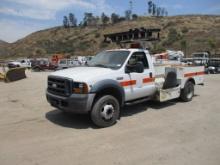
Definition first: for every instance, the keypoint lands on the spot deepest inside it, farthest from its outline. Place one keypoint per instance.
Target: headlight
(80, 88)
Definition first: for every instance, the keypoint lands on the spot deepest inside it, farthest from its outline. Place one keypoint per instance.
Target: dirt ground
(174, 133)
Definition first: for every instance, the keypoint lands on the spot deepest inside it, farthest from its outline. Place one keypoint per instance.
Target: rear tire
(105, 111)
(188, 92)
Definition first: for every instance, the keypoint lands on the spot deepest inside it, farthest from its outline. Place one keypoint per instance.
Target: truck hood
(83, 74)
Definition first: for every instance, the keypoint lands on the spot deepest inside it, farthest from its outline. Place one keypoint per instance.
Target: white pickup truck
(115, 78)
(26, 63)
(67, 63)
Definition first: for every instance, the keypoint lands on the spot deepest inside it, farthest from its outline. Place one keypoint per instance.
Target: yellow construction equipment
(13, 75)
(2, 76)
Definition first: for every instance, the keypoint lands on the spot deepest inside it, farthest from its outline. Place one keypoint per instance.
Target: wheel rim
(107, 111)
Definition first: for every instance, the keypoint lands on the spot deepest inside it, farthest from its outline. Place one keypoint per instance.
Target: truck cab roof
(130, 50)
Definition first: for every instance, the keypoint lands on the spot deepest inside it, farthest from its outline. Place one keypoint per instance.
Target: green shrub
(97, 35)
(157, 48)
(103, 45)
(173, 36)
(185, 30)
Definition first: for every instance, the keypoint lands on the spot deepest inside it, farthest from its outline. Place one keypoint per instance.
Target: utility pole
(131, 6)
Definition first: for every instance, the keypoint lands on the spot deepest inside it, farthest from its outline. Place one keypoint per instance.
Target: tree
(212, 44)
(105, 19)
(81, 24)
(157, 48)
(114, 18)
(65, 22)
(158, 12)
(128, 15)
(134, 16)
(121, 19)
(173, 36)
(72, 20)
(87, 19)
(183, 45)
(162, 12)
(185, 30)
(166, 13)
(154, 9)
(150, 9)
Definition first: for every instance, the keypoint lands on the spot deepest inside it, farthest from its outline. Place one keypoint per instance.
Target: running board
(137, 101)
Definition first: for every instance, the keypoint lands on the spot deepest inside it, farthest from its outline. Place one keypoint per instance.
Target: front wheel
(105, 111)
(37, 69)
(188, 92)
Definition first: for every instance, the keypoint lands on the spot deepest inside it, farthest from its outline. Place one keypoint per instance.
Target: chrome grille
(59, 86)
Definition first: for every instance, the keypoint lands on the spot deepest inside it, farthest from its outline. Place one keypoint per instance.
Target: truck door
(144, 82)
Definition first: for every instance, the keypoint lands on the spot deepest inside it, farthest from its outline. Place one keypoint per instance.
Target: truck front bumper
(76, 103)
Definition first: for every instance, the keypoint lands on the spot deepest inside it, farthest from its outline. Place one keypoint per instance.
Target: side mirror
(138, 68)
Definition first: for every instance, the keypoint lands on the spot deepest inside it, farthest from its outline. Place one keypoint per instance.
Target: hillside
(197, 31)
(3, 42)
(3, 48)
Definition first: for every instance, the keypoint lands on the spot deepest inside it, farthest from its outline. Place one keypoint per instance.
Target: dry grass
(196, 30)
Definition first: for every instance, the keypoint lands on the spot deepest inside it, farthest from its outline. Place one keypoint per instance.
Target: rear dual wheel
(105, 111)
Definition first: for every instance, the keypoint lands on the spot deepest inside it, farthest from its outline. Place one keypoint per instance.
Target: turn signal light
(80, 88)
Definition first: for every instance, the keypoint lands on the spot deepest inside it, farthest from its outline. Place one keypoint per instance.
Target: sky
(19, 18)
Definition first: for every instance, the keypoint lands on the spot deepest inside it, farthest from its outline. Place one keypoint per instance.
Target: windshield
(109, 59)
(199, 56)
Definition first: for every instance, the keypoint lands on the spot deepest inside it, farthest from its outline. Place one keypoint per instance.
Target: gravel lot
(173, 133)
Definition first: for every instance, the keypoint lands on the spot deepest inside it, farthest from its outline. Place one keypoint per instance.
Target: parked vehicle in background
(200, 58)
(213, 66)
(82, 60)
(210, 61)
(26, 63)
(56, 58)
(42, 64)
(188, 61)
(168, 57)
(14, 64)
(88, 58)
(67, 63)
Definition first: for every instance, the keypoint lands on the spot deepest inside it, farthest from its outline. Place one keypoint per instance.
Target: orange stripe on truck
(194, 74)
(148, 80)
(128, 83)
(133, 82)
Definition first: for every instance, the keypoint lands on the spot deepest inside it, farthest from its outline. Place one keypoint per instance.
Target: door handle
(151, 74)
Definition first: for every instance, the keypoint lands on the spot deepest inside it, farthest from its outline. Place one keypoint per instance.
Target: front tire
(105, 111)
(37, 69)
(188, 92)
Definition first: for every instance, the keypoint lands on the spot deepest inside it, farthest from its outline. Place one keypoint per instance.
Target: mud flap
(168, 94)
